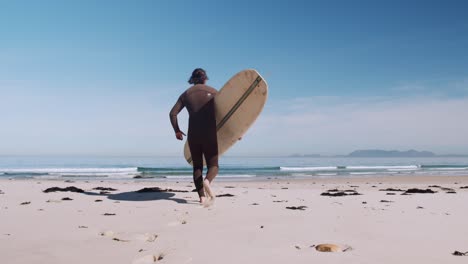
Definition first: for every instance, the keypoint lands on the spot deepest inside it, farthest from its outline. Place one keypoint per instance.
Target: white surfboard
(237, 105)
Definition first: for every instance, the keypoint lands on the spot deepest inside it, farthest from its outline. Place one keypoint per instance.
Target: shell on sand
(328, 248)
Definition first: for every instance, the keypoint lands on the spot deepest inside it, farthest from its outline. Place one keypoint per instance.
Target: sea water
(232, 168)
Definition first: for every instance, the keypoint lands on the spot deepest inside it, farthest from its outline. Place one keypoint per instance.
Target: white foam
(402, 169)
(396, 167)
(307, 168)
(447, 169)
(362, 173)
(326, 174)
(71, 170)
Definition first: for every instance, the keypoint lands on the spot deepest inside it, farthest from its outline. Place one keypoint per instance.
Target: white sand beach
(253, 225)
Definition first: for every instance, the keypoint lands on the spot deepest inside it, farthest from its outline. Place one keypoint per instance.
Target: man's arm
(179, 105)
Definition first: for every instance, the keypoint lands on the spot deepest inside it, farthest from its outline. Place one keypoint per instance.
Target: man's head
(198, 76)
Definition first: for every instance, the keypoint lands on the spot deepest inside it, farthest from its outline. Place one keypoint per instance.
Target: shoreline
(416, 178)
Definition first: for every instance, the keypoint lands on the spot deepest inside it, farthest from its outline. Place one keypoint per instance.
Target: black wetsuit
(201, 134)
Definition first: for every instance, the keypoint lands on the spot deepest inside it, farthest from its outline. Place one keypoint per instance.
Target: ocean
(231, 168)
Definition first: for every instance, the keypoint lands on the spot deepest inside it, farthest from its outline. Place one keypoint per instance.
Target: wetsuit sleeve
(179, 105)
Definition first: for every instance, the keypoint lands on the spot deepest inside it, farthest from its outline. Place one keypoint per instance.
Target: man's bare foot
(208, 190)
(203, 200)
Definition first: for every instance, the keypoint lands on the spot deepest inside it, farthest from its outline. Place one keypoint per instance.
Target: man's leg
(211, 156)
(197, 161)
(212, 173)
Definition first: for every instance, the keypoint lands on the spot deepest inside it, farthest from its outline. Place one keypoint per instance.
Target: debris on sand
(391, 190)
(442, 188)
(67, 199)
(160, 257)
(143, 177)
(386, 201)
(104, 189)
(108, 214)
(464, 187)
(458, 253)
(301, 207)
(416, 190)
(98, 200)
(229, 187)
(120, 240)
(336, 192)
(157, 189)
(331, 248)
(225, 195)
(1, 192)
(67, 189)
(280, 201)
(25, 203)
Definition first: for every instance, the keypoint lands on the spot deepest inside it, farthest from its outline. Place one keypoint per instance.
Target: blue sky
(99, 77)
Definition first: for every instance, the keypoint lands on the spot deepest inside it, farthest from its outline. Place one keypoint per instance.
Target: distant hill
(390, 153)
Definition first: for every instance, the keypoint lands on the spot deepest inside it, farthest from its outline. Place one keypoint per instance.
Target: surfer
(202, 139)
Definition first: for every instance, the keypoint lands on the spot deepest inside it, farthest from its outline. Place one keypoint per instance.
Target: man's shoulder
(202, 87)
(209, 88)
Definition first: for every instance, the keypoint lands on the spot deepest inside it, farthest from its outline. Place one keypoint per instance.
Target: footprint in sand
(151, 237)
(208, 203)
(176, 223)
(147, 237)
(148, 259)
(108, 233)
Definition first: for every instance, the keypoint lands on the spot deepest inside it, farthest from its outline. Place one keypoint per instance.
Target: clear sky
(99, 77)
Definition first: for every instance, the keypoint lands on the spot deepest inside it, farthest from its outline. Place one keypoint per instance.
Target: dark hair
(198, 76)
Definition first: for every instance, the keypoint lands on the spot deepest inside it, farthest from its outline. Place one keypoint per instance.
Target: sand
(252, 226)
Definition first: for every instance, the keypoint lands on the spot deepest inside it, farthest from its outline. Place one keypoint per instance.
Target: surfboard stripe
(236, 106)
(238, 103)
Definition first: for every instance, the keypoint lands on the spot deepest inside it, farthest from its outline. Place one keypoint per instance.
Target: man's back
(200, 104)
(197, 96)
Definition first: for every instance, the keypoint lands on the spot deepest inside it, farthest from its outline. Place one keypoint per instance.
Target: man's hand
(180, 135)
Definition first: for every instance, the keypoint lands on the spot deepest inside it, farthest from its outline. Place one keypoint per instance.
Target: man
(202, 139)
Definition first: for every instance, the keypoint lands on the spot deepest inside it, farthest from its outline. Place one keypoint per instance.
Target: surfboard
(237, 105)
